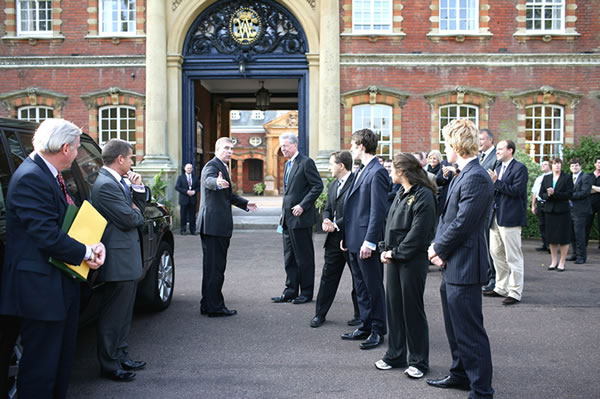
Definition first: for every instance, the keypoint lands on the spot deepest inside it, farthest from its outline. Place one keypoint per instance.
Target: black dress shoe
(572, 258)
(488, 288)
(183, 233)
(580, 261)
(449, 382)
(492, 294)
(356, 321)
(133, 365)
(541, 249)
(281, 299)
(203, 311)
(356, 335)
(373, 341)
(509, 300)
(223, 313)
(317, 321)
(119, 375)
(299, 300)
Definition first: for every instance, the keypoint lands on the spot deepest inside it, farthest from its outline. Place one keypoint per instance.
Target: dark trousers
(188, 215)
(579, 236)
(48, 351)
(539, 211)
(9, 331)
(368, 282)
(299, 259)
(335, 261)
(468, 340)
(114, 323)
(407, 322)
(214, 262)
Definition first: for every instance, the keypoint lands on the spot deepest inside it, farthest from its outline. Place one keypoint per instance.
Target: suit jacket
(490, 161)
(215, 217)
(181, 186)
(303, 188)
(35, 208)
(563, 191)
(121, 238)
(510, 197)
(334, 207)
(366, 206)
(582, 204)
(460, 238)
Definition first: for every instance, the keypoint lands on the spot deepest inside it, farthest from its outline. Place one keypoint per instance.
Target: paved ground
(545, 347)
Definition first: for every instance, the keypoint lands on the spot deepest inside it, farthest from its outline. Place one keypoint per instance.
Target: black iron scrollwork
(276, 30)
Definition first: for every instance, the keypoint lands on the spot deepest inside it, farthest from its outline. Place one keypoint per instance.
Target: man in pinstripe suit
(460, 248)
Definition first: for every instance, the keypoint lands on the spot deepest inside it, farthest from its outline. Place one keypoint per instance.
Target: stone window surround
(570, 33)
(374, 95)
(547, 95)
(482, 33)
(33, 96)
(10, 24)
(115, 96)
(459, 95)
(397, 19)
(93, 20)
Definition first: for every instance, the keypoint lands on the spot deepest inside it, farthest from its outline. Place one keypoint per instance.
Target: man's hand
(252, 207)
(493, 175)
(365, 252)
(448, 169)
(328, 226)
(297, 210)
(386, 257)
(533, 210)
(434, 257)
(98, 256)
(342, 246)
(191, 193)
(222, 182)
(135, 178)
(550, 191)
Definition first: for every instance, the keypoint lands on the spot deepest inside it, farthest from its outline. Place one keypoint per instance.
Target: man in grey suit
(215, 224)
(488, 159)
(122, 206)
(460, 248)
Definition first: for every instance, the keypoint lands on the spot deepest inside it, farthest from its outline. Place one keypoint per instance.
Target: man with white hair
(43, 298)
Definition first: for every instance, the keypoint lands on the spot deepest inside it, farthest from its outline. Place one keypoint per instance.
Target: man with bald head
(187, 186)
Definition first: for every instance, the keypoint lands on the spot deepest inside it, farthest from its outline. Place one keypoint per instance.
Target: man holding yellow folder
(43, 298)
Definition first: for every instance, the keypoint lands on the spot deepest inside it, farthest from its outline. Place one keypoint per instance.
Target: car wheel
(157, 286)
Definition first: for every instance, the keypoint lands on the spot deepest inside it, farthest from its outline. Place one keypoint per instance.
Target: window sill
(459, 36)
(115, 39)
(373, 36)
(545, 36)
(33, 39)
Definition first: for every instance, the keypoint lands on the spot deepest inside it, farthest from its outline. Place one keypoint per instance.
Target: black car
(155, 289)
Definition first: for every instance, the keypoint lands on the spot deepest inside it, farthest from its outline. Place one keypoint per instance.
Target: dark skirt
(558, 228)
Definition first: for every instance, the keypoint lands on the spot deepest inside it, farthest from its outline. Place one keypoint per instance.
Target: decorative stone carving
(279, 33)
(312, 3)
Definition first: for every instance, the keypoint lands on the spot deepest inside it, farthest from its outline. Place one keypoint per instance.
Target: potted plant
(259, 188)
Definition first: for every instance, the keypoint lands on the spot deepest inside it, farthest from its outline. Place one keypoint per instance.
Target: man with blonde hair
(460, 249)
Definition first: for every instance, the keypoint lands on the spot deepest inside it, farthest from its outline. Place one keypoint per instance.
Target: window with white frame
(116, 122)
(235, 115)
(448, 113)
(378, 118)
(34, 17)
(35, 114)
(258, 115)
(545, 15)
(459, 15)
(544, 131)
(117, 16)
(372, 16)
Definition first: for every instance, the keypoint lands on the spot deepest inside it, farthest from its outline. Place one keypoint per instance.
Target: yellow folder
(87, 228)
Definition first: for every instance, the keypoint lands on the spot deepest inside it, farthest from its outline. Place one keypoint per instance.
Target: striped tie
(63, 187)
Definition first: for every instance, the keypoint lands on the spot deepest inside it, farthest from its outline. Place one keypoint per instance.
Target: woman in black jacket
(556, 190)
(409, 230)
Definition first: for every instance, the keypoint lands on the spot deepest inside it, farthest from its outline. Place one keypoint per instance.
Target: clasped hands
(434, 257)
(328, 226)
(98, 256)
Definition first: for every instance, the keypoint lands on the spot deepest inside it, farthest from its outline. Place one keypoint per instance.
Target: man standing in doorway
(215, 224)
(302, 185)
(365, 211)
(187, 186)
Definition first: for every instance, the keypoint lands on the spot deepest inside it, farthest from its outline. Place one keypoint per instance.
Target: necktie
(189, 178)
(502, 172)
(339, 187)
(286, 175)
(125, 187)
(574, 179)
(63, 187)
(482, 157)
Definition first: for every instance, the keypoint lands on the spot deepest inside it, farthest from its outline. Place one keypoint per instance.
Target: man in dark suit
(215, 224)
(340, 164)
(187, 186)
(508, 217)
(581, 211)
(487, 159)
(122, 206)
(302, 185)
(460, 248)
(594, 199)
(43, 298)
(365, 211)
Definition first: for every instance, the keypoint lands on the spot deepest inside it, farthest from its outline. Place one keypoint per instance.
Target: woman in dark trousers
(557, 190)
(410, 227)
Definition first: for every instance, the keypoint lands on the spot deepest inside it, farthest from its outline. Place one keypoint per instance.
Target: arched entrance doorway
(230, 47)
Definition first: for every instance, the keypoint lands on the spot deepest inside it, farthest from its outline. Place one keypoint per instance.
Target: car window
(17, 153)
(89, 161)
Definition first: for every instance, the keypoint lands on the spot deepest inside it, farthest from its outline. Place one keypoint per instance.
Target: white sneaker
(381, 365)
(413, 372)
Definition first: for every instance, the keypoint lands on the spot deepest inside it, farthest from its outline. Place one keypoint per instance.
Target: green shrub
(159, 190)
(259, 188)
